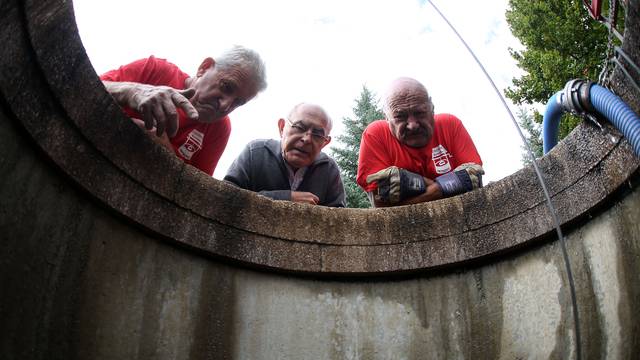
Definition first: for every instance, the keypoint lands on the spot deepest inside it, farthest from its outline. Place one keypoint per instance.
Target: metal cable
(565, 255)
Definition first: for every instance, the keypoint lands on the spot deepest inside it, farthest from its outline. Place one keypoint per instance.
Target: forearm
(277, 194)
(122, 92)
(156, 104)
(433, 192)
(401, 187)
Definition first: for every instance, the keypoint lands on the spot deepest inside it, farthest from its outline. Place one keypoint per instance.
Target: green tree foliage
(562, 42)
(532, 132)
(365, 111)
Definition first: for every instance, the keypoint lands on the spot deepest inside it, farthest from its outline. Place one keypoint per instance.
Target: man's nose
(412, 123)
(306, 136)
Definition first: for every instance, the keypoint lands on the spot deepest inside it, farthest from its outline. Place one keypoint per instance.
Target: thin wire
(565, 255)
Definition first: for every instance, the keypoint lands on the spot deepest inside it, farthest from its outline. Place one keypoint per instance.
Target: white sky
(323, 52)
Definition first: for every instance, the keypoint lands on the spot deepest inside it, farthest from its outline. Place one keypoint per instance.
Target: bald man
(293, 168)
(414, 155)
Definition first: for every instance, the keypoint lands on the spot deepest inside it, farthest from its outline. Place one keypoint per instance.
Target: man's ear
(326, 142)
(207, 63)
(281, 126)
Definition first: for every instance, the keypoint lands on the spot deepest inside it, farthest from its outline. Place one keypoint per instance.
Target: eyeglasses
(299, 128)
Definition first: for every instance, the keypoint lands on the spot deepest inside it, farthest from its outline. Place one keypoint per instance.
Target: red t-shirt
(450, 146)
(196, 143)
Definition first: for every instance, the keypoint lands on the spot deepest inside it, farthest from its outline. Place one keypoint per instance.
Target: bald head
(304, 134)
(408, 109)
(312, 109)
(407, 89)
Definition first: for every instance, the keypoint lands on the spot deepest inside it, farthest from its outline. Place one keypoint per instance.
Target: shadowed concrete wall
(106, 254)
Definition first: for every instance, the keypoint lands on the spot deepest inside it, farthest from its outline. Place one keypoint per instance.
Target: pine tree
(365, 111)
(533, 134)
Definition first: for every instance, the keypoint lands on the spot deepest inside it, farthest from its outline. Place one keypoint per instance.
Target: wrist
(125, 93)
(454, 183)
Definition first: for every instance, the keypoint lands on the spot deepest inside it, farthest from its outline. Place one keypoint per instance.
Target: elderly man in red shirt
(188, 114)
(415, 155)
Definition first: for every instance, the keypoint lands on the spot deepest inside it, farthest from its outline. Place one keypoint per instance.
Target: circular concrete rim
(89, 138)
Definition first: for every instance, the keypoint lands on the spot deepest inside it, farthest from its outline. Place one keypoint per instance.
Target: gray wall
(82, 282)
(156, 301)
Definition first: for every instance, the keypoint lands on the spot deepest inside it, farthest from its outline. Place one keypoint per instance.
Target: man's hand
(304, 197)
(475, 172)
(156, 104)
(396, 184)
(161, 139)
(465, 177)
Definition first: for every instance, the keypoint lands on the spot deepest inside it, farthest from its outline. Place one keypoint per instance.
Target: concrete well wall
(111, 248)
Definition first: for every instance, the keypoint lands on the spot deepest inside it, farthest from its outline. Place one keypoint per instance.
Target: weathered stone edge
(332, 240)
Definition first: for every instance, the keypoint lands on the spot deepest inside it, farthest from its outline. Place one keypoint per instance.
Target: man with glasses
(415, 155)
(292, 168)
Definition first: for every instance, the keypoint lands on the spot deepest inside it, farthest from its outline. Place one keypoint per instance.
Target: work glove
(465, 177)
(396, 184)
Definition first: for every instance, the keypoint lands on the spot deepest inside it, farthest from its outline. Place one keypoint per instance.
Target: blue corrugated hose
(618, 113)
(551, 121)
(606, 103)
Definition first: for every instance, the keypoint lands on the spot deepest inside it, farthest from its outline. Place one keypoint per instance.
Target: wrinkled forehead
(406, 96)
(242, 76)
(312, 115)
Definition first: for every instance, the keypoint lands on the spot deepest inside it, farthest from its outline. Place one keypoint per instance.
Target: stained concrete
(86, 284)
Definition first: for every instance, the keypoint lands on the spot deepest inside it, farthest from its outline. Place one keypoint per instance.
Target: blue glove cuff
(411, 184)
(454, 183)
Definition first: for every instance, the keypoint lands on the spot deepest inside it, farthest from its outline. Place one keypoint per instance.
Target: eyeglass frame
(298, 125)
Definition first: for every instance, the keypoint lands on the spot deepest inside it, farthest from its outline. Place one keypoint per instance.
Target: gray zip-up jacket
(261, 168)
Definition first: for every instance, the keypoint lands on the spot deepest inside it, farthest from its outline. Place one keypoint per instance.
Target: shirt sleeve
(336, 196)
(239, 171)
(129, 72)
(372, 158)
(276, 194)
(464, 150)
(214, 144)
(240, 174)
(151, 70)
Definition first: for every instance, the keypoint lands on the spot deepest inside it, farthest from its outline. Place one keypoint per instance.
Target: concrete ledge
(51, 89)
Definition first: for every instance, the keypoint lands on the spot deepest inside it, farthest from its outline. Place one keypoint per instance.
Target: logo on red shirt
(192, 145)
(440, 157)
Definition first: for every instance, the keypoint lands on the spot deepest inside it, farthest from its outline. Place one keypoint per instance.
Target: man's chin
(208, 115)
(297, 160)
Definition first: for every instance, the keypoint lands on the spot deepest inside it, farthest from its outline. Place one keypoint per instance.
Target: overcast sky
(324, 52)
